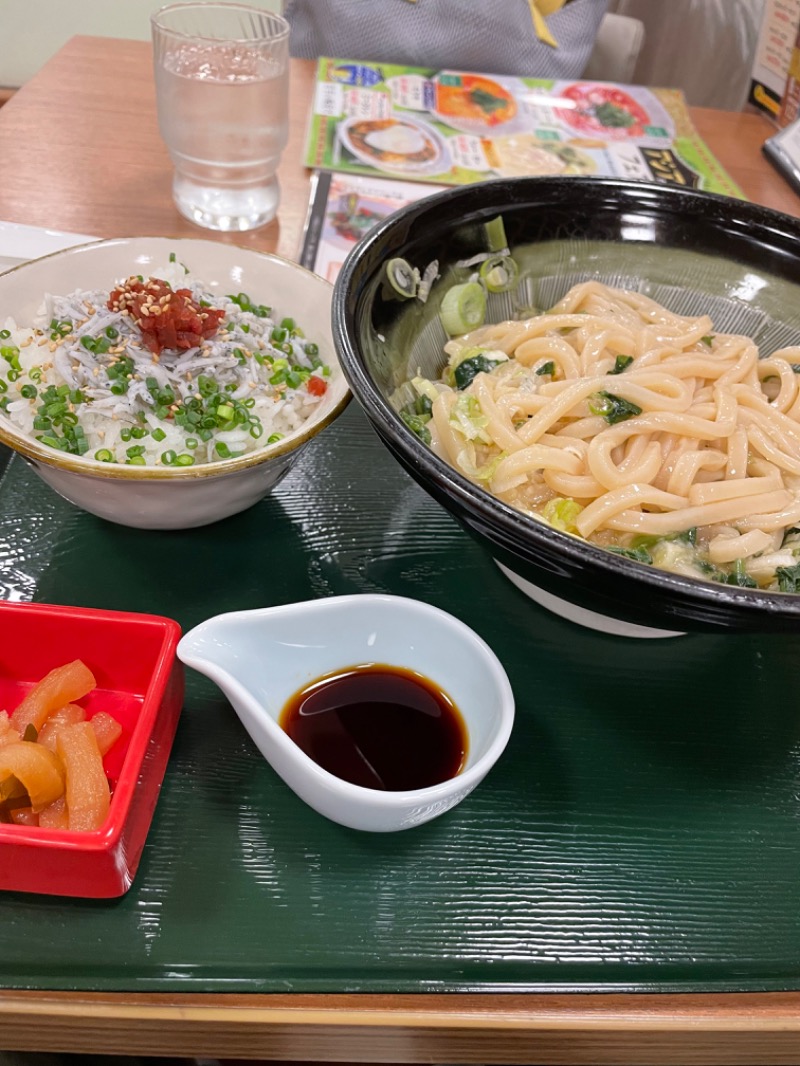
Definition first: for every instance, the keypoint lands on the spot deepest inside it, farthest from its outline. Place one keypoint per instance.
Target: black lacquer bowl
(692, 251)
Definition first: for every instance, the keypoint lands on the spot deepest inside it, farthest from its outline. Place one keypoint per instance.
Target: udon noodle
(638, 429)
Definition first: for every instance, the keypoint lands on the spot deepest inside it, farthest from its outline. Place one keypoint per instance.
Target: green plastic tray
(641, 831)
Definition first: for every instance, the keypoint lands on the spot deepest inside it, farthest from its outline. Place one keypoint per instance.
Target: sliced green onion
(496, 234)
(5, 334)
(273, 438)
(104, 456)
(499, 273)
(463, 308)
(402, 277)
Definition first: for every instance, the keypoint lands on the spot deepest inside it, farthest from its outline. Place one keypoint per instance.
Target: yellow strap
(547, 7)
(539, 9)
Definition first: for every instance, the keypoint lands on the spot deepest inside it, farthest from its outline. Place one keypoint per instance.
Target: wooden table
(80, 151)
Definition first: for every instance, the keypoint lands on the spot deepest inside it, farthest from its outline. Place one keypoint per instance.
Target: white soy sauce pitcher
(261, 658)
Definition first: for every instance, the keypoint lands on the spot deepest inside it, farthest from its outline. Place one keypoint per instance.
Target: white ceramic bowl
(261, 658)
(169, 497)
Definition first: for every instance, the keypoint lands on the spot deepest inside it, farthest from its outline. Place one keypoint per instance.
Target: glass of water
(222, 91)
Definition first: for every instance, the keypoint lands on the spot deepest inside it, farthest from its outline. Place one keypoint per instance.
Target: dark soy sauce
(382, 727)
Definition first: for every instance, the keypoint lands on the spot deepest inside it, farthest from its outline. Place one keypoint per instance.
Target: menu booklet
(343, 207)
(452, 128)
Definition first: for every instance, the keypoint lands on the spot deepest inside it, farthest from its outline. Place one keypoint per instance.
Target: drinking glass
(222, 91)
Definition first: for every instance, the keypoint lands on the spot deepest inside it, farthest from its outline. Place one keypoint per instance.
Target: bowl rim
(515, 525)
(31, 449)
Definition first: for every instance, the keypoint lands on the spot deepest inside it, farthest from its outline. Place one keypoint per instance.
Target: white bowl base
(581, 616)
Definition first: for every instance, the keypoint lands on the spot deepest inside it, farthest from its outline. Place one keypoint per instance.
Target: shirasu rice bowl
(90, 377)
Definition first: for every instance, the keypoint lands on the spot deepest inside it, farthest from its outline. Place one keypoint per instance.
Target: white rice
(124, 420)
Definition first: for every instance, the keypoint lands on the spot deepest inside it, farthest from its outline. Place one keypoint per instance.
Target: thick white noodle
(711, 438)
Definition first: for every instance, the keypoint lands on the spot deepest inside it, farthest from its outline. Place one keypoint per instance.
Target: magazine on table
(342, 208)
(452, 128)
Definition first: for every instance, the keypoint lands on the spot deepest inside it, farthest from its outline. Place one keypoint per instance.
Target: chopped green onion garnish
(463, 308)
(499, 273)
(403, 279)
(496, 234)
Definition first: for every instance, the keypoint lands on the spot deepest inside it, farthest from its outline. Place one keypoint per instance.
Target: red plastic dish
(140, 683)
